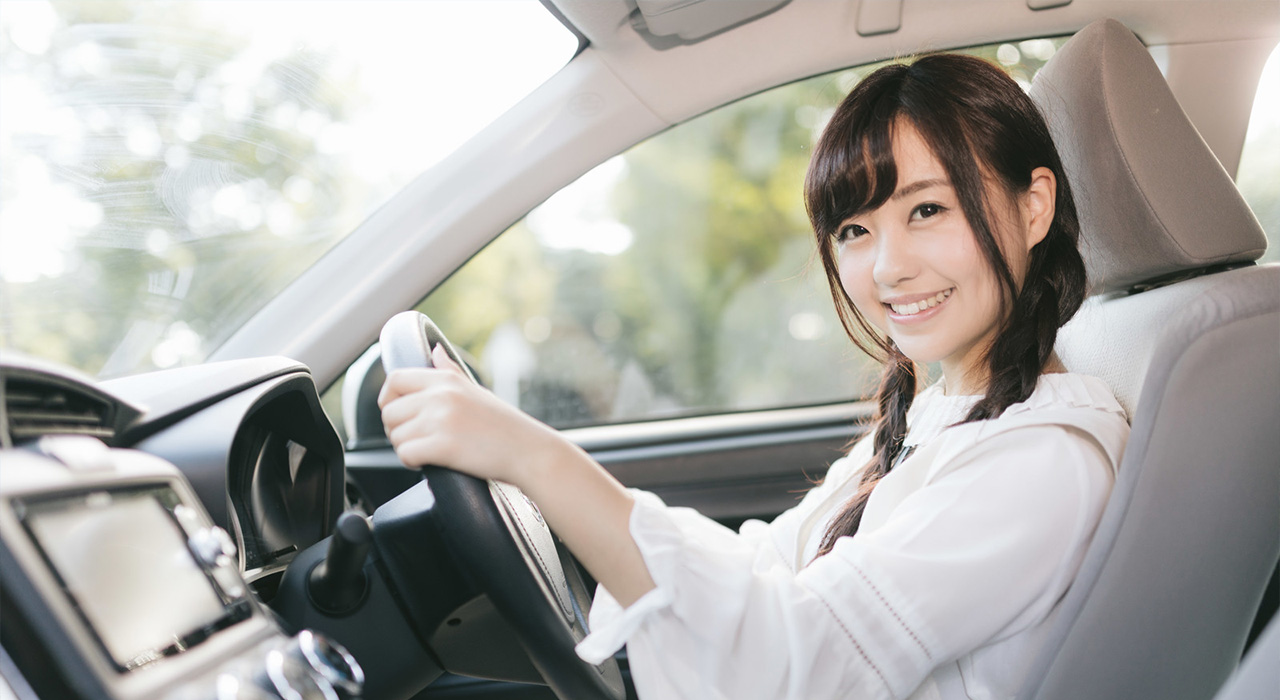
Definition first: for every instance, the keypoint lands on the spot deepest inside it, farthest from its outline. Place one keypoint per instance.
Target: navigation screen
(125, 562)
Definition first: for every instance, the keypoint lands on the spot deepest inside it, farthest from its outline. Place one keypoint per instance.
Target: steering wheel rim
(530, 577)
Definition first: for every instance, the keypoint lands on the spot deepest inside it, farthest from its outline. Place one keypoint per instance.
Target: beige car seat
(1186, 330)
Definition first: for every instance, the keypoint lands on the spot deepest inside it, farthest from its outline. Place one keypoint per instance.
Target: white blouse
(946, 591)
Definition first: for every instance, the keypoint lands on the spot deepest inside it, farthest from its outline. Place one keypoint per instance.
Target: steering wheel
(498, 539)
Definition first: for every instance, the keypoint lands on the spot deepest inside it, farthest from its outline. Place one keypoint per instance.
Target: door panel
(734, 467)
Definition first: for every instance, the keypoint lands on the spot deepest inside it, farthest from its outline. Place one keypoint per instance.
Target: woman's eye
(849, 232)
(926, 210)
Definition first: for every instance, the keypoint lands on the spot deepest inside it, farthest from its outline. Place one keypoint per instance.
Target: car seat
(1259, 673)
(1186, 330)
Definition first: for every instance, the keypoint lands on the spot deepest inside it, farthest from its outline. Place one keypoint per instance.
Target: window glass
(168, 166)
(1258, 176)
(677, 278)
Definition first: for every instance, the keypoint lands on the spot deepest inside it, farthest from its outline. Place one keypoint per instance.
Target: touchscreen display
(125, 562)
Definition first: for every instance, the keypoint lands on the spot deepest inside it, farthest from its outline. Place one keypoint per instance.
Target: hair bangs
(852, 169)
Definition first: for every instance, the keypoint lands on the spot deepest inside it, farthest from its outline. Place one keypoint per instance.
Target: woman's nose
(894, 261)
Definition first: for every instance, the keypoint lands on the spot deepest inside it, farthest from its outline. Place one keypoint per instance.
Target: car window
(677, 278)
(1258, 176)
(166, 168)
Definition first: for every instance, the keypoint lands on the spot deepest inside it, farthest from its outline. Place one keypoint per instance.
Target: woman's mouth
(917, 307)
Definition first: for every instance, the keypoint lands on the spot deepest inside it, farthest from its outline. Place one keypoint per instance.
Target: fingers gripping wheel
(496, 535)
(407, 340)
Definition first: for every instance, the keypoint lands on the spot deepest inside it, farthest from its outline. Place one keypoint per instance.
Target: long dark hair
(976, 120)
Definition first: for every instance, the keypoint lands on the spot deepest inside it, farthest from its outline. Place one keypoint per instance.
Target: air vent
(35, 409)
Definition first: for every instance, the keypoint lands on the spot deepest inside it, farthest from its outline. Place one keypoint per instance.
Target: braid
(893, 400)
(1053, 291)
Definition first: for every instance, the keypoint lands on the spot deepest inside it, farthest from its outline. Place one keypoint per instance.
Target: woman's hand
(438, 416)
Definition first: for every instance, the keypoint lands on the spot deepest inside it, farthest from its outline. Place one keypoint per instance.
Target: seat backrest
(1259, 674)
(1175, 573)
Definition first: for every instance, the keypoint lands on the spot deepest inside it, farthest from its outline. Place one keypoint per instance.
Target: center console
(109, 561)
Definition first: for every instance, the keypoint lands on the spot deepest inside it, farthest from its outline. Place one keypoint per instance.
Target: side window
(1258, 176)
(677, 278)
(674, 279)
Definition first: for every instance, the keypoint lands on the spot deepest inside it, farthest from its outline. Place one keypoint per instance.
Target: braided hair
(978, 122)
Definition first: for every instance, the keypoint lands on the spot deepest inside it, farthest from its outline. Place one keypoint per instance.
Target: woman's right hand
(439, 416)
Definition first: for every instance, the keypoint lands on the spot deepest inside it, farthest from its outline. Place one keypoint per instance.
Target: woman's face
(914, 270)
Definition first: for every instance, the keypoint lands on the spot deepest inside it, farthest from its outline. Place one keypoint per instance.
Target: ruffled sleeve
(981, 553)
(666, 535)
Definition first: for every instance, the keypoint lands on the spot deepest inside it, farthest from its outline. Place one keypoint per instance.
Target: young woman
(930, 560)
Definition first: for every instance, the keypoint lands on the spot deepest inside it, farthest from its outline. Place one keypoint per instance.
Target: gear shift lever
(337, 584)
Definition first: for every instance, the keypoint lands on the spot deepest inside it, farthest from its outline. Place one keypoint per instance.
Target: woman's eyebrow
(907, 190)
(904, 191)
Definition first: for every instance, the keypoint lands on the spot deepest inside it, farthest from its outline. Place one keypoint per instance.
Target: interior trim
(682, 430)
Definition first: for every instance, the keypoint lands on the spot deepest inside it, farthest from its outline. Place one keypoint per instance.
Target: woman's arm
(437, 416)
(974, 559)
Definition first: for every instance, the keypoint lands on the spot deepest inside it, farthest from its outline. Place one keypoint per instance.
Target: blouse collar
(933, 411)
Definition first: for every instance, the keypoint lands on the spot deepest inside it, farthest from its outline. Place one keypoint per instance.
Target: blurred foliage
(201, 174)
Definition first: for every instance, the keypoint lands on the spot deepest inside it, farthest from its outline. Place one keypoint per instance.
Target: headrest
(1152, 197)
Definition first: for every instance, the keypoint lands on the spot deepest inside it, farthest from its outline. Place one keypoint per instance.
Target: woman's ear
(1038, 205)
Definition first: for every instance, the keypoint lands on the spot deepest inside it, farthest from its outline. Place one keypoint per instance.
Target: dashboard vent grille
(36, 408)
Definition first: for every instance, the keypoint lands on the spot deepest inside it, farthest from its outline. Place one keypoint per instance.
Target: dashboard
(125, 576)
(188, 535)
(254, 443)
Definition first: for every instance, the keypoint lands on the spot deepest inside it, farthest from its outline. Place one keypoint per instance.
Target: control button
(230, 581)
(230, 687)
(294, 680)
(225, 542)
(188, 519)
(212, 546)
(77, 452)
(330, 660)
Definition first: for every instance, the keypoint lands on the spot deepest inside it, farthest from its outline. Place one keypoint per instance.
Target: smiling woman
(623, 254)
(934, 178)
(168, 167)
(675, 278)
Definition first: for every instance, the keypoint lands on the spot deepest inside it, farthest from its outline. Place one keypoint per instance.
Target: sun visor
(694, 20)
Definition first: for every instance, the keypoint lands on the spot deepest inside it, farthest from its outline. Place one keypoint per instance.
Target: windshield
(167, 167)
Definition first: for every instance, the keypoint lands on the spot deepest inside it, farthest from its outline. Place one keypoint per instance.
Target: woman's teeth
(916, 307)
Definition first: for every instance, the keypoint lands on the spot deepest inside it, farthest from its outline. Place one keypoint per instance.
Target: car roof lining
(784, 45)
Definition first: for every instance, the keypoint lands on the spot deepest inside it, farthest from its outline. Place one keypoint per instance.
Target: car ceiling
(807, 37)
(624, 87)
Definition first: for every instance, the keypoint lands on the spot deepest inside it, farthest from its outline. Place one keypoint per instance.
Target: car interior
(239, 527)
